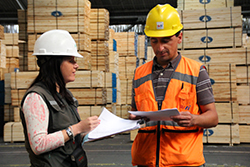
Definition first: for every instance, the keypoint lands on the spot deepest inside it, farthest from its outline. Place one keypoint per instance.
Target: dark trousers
(180, 166)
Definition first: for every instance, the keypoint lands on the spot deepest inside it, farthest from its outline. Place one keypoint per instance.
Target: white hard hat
(56, 43)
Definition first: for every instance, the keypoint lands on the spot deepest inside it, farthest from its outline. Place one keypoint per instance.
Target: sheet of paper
(160, 115)
(111, 124)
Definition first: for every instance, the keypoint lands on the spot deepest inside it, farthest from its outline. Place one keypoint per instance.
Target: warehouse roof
(121, 11)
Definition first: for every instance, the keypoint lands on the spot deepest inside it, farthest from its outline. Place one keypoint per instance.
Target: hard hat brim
(56, 54)
(161, 33)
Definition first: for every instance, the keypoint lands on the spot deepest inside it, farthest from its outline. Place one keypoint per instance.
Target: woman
(52, 126)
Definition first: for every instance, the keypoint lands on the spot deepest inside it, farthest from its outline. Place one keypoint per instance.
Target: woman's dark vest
(59, 119)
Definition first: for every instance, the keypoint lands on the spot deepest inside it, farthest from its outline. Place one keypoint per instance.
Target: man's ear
(180, 38)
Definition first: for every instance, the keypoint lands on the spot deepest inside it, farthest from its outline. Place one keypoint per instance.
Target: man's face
(165, 48)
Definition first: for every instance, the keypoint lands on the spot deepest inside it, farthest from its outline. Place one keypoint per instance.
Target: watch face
(69, 133)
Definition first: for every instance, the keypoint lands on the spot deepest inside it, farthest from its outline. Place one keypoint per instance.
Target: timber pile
(99, 24)
(196, 4)
(1, 32)
(215, 32)
(142, 49)
(211, 28)
(2, 58)
(73, 16)
(11, 41)
(92, 88)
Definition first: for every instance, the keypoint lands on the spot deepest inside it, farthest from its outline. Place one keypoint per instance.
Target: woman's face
(68, 69)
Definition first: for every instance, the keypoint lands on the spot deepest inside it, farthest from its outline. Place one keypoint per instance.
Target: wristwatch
(69, 133)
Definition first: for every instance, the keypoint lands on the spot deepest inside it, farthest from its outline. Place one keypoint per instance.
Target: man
(171, 81)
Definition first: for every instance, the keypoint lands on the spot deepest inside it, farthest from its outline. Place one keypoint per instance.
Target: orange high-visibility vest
(164, 143)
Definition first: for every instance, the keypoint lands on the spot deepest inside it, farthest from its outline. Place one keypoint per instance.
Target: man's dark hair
(178, 33)
(50, 75)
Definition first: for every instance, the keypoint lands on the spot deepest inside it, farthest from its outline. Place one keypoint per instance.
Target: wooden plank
(10, 39)
(83, 79)
(72, 16)
(211, 18)
(237, 56)
(12, 51)
(244, 133)
(235, 134)
(99, 48)
(222, 72)
(142, 46)
(2, 48)
(195, 4)
(22, 80)
(211, 38)
(243, 94)
(243, 74)
(225, 91)
(219, 134)
(227, 112)
(8, 113)
(100, 62)
(244, 114)
(87, 111)
(1, 32)
(88, 79)
(126, 43)
(127, 66)
(17, 132)
(90, 96)
(7, 134)
(85, 62)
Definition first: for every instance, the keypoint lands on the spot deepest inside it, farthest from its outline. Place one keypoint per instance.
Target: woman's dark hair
(50, 75)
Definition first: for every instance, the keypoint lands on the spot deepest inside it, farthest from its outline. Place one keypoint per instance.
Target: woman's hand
(85, 126)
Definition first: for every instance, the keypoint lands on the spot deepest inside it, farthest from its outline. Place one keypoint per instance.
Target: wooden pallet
(211, 18)
(72, 16)
(211, 38)
(196, 4)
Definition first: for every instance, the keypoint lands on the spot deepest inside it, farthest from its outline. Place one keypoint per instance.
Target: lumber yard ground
(115, 152)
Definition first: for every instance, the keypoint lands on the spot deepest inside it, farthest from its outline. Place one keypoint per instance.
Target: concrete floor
(115, 152)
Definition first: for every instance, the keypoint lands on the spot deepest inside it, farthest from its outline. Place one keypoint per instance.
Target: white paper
(111, 124)
(160, 115)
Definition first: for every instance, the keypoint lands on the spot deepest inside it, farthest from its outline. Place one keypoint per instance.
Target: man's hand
(185, 119)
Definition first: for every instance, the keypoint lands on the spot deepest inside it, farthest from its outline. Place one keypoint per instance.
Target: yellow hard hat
(162, 21)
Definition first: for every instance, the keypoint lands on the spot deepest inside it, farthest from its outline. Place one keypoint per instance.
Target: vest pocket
(144, 102)
(186, 99)
(181, 146)
(144, 147)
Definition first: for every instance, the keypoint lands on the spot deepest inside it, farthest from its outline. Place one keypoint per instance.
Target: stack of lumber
(114, 69)
(12, 52)
(127, 43)
(73, 16)
(99, 33)
(142, 49)
(99, 24)
(211, 28)
(2, 53)
(196, 4)
(99, 55)
(212, 35)
(1, 32)
(150, 54)
(23, 37)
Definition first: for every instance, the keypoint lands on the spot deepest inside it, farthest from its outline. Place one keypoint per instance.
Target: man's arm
(207, 119)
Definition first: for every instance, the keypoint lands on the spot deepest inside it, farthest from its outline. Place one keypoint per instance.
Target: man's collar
(172, 63)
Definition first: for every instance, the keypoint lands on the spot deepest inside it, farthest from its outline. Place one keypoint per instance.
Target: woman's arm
(36, 115)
